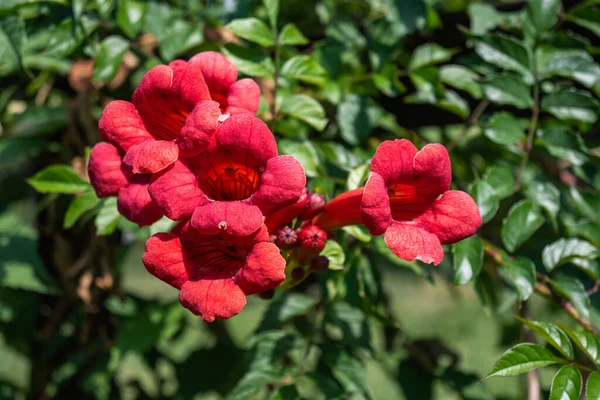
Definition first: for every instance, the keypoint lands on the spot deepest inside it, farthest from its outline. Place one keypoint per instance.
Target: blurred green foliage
(509, 87)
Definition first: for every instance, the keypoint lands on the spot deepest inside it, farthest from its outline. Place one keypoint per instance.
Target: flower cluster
(189, 147)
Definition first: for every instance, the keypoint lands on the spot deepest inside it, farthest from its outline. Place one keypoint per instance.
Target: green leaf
(543, 13)
(58, 179)
(288, 392)
(521, 272)
(253, 30)
(304, 68)
(485, 17)
(357, 116)
(357, 177)
(592, 390)
(429, 54)
(587, 17)
(486, 199)
(79, 206)
(566, 384)
(359, 232)
(522, 221)
(179, 37)
(249, 62)
(571, 105)
(564, 251)
(504, 128)
(346, 369)
(305, 152)
(501, 180)
(523, 358)
(335, 253)
(505, 52)
(306, 109)
(461, 78)
(111, 53)
(468, 260)
(12, 38)
(130, 17)
(574, 64)
(545, 195)
(413, 14)
(563, 144)
(291, 35)
(108, 217)
(586, 341)
(553, 335)
(272, 7)
(573, 290)
(508, 89)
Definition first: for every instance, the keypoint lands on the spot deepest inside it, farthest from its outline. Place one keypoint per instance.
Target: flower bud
(312, 237)
(297, 274)
(319, 264)
(286, 238)
(314, 205)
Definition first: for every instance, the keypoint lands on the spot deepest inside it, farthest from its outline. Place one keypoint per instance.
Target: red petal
(375, 205)
(248, 139)
(263, 270)
(105, 170)
(175, 191)
(219, 73)
(393, 160)
(452, 217)
(163, 258)
(432, 168)
(135, 204)
(199, 129)
(281, 184)
(215, 297)
(411, 243)
(121, 125)
(151, 156)
(243, 97)
(230, 217)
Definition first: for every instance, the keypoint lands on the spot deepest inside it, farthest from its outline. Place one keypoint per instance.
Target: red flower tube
(407, 198)
(214, 272)
(232, 185)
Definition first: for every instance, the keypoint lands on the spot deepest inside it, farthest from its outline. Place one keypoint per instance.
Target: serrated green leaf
(253, 30)
(586, 341)
(78, 206)
(523, 358)
(543, 13)
(335, 253)
(109, 58)
(291, 35)
(592, 387)
(553, 335)
(108, 217)
(521, 272)
(565, 250)
(571, 105)
(304, 68)
(566, 384)
(486, 199)
(461, 78)
(505, 52)
(272, 7)
(357, 116)
(501, 180)
(12, 39)
(467, 259)
(545, 195)
(58, 179)
(573, 290)
(504, 128)
(249, 62)
(563, 144)
(305, 152)
(575, 64)
(306, 109)
(522, 221)
(508, 89)
(429, 54)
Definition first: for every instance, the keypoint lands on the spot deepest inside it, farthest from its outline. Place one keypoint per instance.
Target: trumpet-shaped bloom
(109, 179)
(231, 186)
(175, 111)
(214, 272)
(407, 198)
